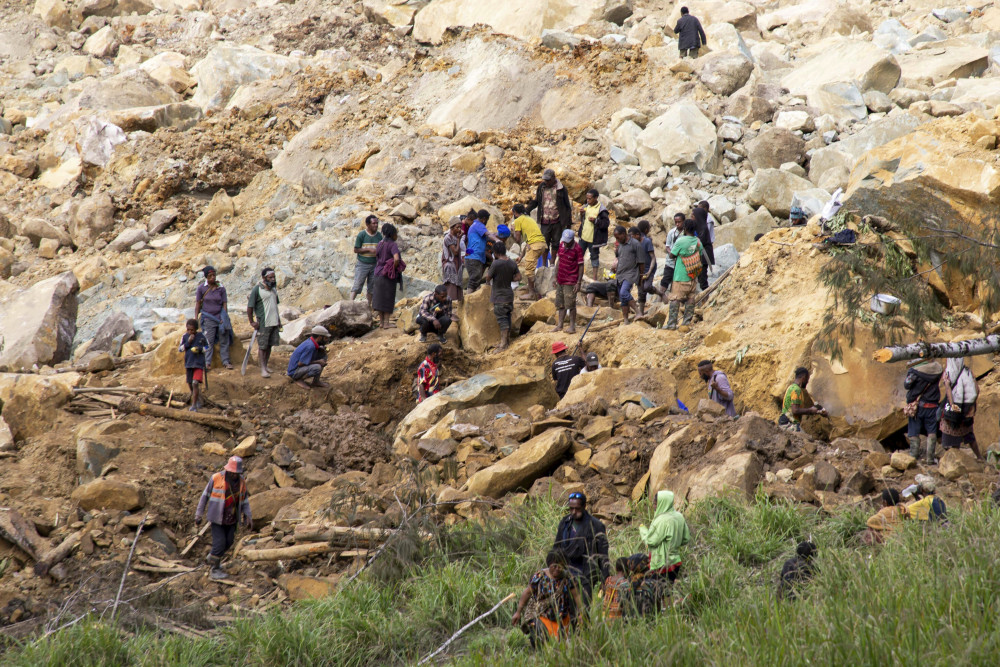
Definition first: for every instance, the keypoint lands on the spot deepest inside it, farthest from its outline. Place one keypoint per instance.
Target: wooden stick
(704, 295)
(318, 532)
(130, 404)
(468, 625)
(56, 555)
(108, 390)
(287, 553)
(195, 539)
(128, 562)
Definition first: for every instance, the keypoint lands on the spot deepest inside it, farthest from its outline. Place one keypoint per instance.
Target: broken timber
(222, 422)
(923, 350)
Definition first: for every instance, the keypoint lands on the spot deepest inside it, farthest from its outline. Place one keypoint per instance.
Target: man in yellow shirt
(593, 231)
(529, 236)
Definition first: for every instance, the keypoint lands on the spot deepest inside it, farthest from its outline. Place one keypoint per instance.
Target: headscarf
(667, 533)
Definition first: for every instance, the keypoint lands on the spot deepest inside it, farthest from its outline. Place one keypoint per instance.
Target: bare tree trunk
(287, 553)
(922, 350)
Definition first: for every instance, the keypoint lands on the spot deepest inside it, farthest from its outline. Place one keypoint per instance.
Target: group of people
(940, 400)
(578, 564)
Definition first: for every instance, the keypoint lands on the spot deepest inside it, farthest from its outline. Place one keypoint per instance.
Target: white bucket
(884, 304)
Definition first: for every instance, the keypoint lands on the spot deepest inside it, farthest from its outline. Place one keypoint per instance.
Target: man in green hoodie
(666, 534)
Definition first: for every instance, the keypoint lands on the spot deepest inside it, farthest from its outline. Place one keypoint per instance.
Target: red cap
(558, 347)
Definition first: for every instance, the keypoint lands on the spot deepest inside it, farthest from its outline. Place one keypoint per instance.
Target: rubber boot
(914, 445)
(931, 446)
(672, 313)
(216, 572)
(688, 312)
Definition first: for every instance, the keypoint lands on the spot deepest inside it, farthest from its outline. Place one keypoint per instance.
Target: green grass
(927, 597)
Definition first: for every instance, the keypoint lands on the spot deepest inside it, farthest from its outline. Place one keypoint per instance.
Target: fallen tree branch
(128, 562)
(468, 625)
(195, 539)
(131, 405)
(53, 556)
(704, 295)
(19, 531)
(287, 553)
(319, 532)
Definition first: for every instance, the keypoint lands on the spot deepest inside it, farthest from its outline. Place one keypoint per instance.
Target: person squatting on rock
(958, 417)
(797, 570)
(689, 264)
(226, 504)
(666, 534)
(690, 34)
(502, 275)
(365, 244)
(309, 359)
(452, 260)
(194, 345)
(389, 267)
(798, 402)
(584, 541)
(557, 601)
(435, 314)
(529, 236)
(429, 373)
(593, 230)
(719, 389)
(555, 213)
(211, 309)
(565, 367)
(628, 269)
(262, 311)
(923, 396)
(647, 257)
(569, 277)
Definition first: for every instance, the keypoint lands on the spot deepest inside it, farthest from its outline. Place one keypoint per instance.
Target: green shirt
(683, 247)
(369, 243)
(256, 302)
(793, 396)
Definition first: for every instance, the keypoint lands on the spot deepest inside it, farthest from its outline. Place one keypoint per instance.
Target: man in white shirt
(670, 262)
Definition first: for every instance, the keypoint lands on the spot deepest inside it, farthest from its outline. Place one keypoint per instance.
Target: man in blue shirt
(475, 253)
(309, 359)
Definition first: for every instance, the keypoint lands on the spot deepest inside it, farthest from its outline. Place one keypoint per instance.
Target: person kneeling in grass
(556, 597)
(885, 521)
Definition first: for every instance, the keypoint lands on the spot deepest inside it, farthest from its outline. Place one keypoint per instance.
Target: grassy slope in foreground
(928, 597)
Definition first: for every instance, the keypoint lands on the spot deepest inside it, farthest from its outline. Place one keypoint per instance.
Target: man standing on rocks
(594, 222)
(429, 373)
(584, 540)
(475, 253)
(529, 236)
(435, 314)
(309, 359)
(364, 269)
(263, 305)
(687, 250)
(706, 236)
(669, 261)
(798, 402)
(719, 389)
(629, 269)
(452, 256)
(226, 504)
(564, 368)
(211, 307)
(923, 395)
(502, 275)
(690, 34)
(569, 276)
(647, 257)
(555, 213)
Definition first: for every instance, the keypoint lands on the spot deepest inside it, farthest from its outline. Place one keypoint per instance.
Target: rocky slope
(142, 139)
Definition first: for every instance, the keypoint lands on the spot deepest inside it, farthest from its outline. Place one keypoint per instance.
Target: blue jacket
(476, 248)
(194, 359)
(306, 353)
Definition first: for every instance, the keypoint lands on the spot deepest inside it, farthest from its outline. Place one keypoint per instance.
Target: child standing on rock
(193, 345)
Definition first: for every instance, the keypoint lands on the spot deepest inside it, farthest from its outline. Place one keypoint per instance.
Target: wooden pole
(923, 350)
(53, 556)
(468, 625)
(222, 422)
(128, 563)
(287, 553)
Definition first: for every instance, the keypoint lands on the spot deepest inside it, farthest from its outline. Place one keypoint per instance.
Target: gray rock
(773, 147)
(117, 326)
(616, 11)
(344, 318)
(557, 39)
(724, 73)
(636, 202)
(128, 238)
(949, 14)
(621, 156)
(774, 189)
(94, 216)
(740, 233)
(877, 101)
(38, 324)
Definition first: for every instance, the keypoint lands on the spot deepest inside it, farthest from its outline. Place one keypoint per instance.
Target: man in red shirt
(428, 373)
(569, 275)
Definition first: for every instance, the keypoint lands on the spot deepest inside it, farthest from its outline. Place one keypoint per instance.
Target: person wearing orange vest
(226, 504)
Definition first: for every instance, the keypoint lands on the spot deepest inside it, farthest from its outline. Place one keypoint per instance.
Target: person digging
(226, 504)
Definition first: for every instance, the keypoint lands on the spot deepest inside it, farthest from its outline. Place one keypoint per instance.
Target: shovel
(246, 357)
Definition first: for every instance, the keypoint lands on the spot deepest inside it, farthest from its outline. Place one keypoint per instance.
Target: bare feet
(558, 328)
(264, 373)
(572, 329)
(302, 384)
(319, 384)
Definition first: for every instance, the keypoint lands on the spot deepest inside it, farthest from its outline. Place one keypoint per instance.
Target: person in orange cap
(226, 504)
(565, 367)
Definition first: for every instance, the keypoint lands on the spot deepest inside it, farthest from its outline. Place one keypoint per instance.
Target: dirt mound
(346, 438)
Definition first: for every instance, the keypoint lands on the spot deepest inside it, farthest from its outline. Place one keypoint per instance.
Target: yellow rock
(213, 448)
(582, 457)
(247, 447)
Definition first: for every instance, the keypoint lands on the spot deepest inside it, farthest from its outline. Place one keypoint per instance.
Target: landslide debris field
(142, 140)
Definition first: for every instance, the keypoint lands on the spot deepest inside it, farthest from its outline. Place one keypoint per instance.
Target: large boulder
(128, 90)
(774, 188)
(168, 361)
(109, 494)
(843, 60)
(525, 19)
(466, 204)
(97, 442)
(116, 326)
(93, 217)
(344, 318)
(37, 324)
(656, 384)
(843, 154)
(741, 233)
(54, 13)
(265, 506)
(683, 135)
(37, 229)
(724, 73)
(477, 325)
(755, 103)
(528, 462)
(225, 68)
(940, 64)
(520, 388)
(773, 147)
(659, 463)
(32, 403)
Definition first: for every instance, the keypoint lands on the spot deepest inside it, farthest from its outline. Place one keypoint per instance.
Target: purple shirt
(723, 382)
(384, 254)
(211, 301)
